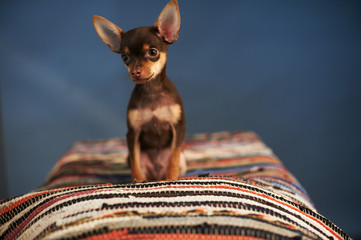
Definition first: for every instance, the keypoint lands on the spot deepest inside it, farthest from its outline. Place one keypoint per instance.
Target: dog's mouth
(141, 80)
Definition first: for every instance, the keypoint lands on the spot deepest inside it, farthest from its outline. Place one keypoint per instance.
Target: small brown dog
(156, 121)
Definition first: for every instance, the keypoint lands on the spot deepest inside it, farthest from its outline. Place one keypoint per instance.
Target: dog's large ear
(168, 22)
(110, 33)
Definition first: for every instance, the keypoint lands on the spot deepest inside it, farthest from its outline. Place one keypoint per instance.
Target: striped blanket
(235, 188)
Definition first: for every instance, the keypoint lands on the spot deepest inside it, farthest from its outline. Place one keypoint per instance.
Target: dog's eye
(153, 53)
(125, 58)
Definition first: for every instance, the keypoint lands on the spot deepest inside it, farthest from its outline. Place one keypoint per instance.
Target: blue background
(288, 70)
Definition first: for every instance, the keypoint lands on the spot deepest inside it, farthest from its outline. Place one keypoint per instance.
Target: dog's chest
(167, 113)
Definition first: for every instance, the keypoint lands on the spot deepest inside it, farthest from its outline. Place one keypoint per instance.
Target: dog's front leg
(176, 149)
(134, 156)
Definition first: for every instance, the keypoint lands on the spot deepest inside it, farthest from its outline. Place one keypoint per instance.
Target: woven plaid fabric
(235, 188)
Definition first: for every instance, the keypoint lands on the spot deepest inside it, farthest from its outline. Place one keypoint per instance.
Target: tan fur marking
(173, 164)
(169, 113)
(158, 66)
(127, 51)
(146, 47)
(154, 68)
(136, 171)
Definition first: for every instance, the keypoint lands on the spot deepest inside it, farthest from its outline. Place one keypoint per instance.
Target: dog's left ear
(168, 22)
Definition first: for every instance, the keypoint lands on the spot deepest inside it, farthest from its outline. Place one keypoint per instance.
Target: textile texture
(234, 188)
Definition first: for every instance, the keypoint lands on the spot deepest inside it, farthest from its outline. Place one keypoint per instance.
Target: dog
(155, 115)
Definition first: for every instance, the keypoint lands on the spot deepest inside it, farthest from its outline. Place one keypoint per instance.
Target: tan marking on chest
(169, 113)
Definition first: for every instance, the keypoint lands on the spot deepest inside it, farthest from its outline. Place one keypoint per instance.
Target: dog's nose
(136, 72)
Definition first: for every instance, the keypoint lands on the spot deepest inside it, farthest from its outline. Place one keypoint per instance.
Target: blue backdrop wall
(288, 70)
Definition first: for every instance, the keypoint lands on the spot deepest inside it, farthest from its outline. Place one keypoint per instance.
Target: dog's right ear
(110, 33)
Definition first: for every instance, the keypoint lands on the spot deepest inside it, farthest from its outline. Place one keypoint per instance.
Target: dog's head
(143, 49)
